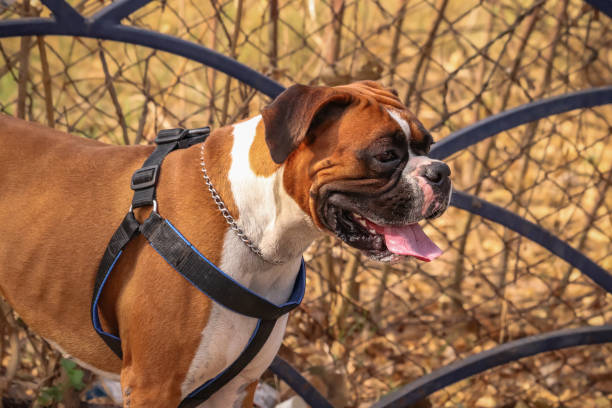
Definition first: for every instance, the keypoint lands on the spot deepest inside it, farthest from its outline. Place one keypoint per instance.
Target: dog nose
(437, 172)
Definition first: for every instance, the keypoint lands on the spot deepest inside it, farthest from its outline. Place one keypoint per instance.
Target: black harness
(176, 250)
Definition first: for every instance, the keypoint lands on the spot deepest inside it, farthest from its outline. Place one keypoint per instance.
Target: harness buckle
(184, 137)
(145, 177)
(170, 135)
(194, 136)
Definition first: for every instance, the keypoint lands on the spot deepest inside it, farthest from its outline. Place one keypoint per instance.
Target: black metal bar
(198, 53)
(64, 13)
(535, 233)
(106, 30)
(604, 5)
(494, 357)
(298, 383)
(520, 115)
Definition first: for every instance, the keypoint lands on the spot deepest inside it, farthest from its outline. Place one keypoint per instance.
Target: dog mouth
(387, 243)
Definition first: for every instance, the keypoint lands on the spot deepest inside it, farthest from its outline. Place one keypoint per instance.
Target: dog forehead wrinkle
(403, 124)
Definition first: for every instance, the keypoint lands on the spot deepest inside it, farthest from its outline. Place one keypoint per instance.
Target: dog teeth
(363, 223)
(360, 220)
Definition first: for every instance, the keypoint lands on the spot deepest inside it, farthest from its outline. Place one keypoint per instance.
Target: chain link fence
(366, 328)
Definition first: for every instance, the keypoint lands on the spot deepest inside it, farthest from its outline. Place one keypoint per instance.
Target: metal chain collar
(228, 217)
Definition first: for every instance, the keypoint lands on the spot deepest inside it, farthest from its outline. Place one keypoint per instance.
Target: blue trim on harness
(95, 318)
(298, 288)
(296, 297)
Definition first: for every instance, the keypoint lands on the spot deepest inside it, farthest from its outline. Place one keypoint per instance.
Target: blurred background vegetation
(365, 329)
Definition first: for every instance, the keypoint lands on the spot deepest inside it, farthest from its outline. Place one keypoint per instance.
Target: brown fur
(259, 156)
(218, 162)
(59, 189)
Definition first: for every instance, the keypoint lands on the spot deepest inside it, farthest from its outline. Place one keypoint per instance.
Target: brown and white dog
(348, 160)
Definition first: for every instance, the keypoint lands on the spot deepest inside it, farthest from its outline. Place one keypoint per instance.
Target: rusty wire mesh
(366, 328)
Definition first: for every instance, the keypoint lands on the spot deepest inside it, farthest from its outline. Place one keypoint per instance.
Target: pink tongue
(408, 240)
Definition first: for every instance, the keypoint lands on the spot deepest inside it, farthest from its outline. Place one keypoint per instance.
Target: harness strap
(126, 231)
(179, 253)
(205, 276)
(144, 180)
(256, 342)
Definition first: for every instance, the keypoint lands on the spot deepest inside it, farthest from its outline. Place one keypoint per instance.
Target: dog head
(356, 161)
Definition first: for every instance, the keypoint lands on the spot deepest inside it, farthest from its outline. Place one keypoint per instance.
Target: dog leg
(238, 393)
(143, 390)
(160, 318)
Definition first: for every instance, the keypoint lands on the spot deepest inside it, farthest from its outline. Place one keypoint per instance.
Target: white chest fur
(273, 220)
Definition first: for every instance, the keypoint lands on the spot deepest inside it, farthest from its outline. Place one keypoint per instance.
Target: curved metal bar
(139, 36)
(535, 233)
(64, 13)
(494, 357)
(298, 383)
(604, 5)
(515, 350)
(520, 115)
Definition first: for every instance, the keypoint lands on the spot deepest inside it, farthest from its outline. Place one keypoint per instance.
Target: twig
(8, 66)
(380, 291)
(273, 53)
(335, 33)
(338, 313)
(24, 67)
(244, 106)
(44, 63)
(218, 13)
(113, 95)
(212, 78)
(145, 105)
(397, 35)
(233, 47)
(10, 329)
(425, 54)
(459, 265)
(328, 270)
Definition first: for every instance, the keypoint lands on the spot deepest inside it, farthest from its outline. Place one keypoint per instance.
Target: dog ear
(297, 110)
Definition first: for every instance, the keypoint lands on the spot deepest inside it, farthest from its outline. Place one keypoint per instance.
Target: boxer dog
(350, 161)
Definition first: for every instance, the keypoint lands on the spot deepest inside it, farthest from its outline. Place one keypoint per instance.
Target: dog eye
(386, 156)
